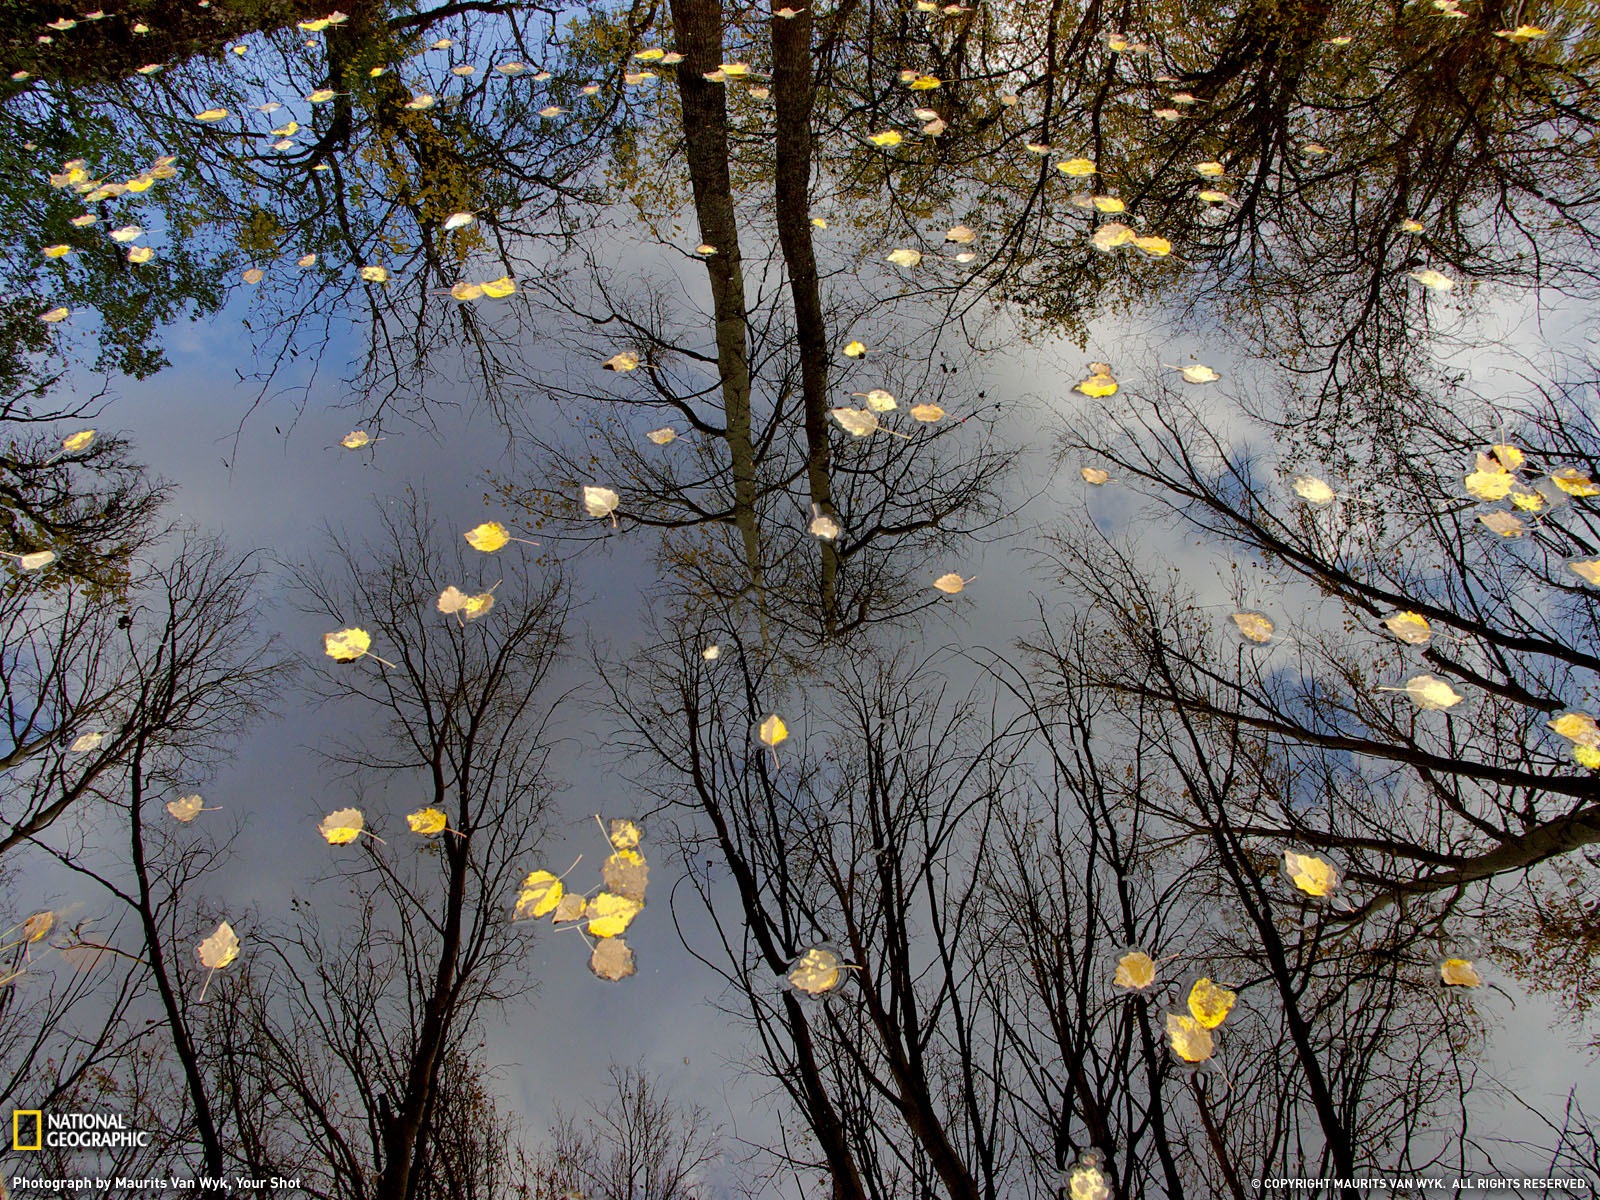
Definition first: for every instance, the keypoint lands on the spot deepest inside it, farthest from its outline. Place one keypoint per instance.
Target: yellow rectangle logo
(16, 1129)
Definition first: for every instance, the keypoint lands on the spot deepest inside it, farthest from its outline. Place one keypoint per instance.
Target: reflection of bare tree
(356, 1025)
(1441, 800)
(167, 689)
(640, 1144)
(981, 873)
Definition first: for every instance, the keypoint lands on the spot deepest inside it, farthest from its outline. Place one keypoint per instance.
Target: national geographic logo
(32, 1129)
(30, 1119)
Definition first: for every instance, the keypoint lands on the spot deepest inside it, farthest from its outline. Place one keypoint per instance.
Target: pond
(885, 600)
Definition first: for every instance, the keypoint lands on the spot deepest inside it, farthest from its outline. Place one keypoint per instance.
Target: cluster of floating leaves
(624, 876)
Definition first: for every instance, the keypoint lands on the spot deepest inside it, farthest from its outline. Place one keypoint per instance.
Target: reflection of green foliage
(260, 233)
(93, 510)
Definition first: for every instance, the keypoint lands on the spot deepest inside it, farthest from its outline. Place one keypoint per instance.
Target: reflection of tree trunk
(403, 1136)
(793, 93)
(705, 133)
(821, 1113)
(182, 1040)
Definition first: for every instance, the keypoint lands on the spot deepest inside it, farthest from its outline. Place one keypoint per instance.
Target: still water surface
(879, 601)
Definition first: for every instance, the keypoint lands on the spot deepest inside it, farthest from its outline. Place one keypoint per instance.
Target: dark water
(888, 601)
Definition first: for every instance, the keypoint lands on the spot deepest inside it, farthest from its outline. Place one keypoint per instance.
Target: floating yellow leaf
(878, 400)
(541, 892)
(854, 350)
(1411, 628)
(1433, 280)
(375, 274)
(58, 251)
(488, 537)
(1310, 874)
(420, 102)
(253, 275)
(1587, 570)
(1507, 525)
(1198, 373)
(1312, 490)
(1411, 225)
(627, 874)
(342, 826)
(1111, 235)
(459, 220)
(1209, 1003)
(711, 653)
(1489, 485)
(39, 558)
(37, 927)
(1190, 1040)
(627, 360)
(1153, 246)
(855, 421)
(85, 742)
(454, 602)
(572, 907)
(950, 584)
(77, 442)
(926, 413)
(1429, 692)
(1577, 727)
(1586, 756)
(1094, 475)
(1458, 972)
(427, 821)
(664, 436)
(185, 808)
(220, 949)
(1521, 34)
(609, 915)
(623, 834)
(1527, 501)
(211, 115)
(346, 645)
(1210, 170)
(611, 959)
(889, 137)
(1100, 382)
(51, 316)
(961, 235)
(925, 83)
(1076, 168)
(466, 291)
(1574, 482)
(815, 971)
(321, 95)
(773, 730)
(355, 439)
(1108, 204)
(85, 220)
(126, 234)
(904, 257)
(1136, 971)
(600, 501)
(140, 254)
(1253, 626)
